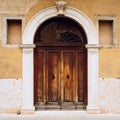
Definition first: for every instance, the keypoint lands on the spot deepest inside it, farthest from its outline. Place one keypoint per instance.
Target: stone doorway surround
(28, 51)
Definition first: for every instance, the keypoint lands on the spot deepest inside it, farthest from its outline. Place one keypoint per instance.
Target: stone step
(60, 115)
(64, 106)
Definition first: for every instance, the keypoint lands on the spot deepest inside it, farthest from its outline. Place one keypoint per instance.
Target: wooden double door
(60, 77)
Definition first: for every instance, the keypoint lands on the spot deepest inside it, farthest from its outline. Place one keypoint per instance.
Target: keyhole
(67, 76)
(52, 76)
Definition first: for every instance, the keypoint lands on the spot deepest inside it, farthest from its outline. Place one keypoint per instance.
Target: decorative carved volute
(61, 5)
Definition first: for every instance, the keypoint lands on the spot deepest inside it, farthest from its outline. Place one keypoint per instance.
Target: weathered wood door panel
(39, 76)
(81, 75)
(68, 75)
(52, 71)
(60, 76)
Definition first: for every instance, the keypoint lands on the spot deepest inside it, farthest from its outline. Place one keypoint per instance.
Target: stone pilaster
(93, 64)
(28, 76)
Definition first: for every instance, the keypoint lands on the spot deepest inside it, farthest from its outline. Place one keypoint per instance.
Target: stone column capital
(93, 46)
(28, 46)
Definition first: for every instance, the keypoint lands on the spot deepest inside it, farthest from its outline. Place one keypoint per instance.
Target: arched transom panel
(58, 30)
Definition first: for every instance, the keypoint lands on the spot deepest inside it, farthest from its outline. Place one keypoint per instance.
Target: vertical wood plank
(39, 76)
(68, 75)
(53, 75)
(81, 75)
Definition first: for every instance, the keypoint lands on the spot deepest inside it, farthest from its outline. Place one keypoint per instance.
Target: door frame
(28, 61)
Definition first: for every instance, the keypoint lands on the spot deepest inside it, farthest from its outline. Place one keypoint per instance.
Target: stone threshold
(60, 115)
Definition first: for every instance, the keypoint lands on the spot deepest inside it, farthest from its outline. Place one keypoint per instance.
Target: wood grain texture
(60, 76)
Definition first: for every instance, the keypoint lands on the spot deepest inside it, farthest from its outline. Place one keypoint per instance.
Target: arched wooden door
(60, 65)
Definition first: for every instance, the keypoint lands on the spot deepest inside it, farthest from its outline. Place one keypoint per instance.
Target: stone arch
(28, 50)
(47, 13)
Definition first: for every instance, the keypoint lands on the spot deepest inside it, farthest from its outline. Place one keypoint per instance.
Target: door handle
(52, 76)
(67, 76)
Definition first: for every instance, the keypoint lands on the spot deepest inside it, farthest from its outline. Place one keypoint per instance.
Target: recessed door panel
(68, 75)
(81, 74)
(39, 75)
(53, 75)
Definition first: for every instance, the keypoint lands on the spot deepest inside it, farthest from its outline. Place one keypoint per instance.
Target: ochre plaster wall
(29, 8)
(10, 62)
(109, 63)
(11, 58)
(90, 7)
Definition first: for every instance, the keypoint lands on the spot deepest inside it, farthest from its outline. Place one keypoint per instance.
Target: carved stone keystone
(61, 5)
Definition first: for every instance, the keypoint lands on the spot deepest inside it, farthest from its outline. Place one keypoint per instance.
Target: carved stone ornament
(61, 5)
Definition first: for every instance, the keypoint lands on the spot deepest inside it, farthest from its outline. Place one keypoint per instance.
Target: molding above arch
(81, 18)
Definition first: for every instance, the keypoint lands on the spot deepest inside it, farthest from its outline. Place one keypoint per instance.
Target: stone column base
(27, 110)
(93, 110)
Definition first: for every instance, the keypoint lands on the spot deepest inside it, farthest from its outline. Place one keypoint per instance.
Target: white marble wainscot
(109, 95)
(10, 95)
